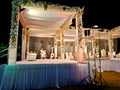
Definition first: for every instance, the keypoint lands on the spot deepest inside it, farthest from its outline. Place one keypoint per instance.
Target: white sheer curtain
(38, 76)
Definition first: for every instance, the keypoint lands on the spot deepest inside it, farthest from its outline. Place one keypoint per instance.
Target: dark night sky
(97, 12)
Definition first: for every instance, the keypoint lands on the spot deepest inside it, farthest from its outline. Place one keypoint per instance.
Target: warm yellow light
(95, 26)
(33, 12)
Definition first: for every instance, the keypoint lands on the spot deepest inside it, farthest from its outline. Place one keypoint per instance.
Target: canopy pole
(62, 45)
(55, 47)
(110, 40)
(24, 39)
(79, 36)
(12, 51)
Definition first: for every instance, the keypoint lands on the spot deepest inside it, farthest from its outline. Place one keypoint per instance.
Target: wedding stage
(42, 73)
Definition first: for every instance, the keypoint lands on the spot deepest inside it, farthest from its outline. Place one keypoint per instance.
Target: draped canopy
(48, 20)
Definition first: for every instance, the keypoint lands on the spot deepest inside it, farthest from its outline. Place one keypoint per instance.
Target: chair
(70, 55)
(67, 56)
(31, 56)
(43, 54)
(52, 55)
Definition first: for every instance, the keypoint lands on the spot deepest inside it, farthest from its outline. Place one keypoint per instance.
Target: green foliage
(14, 18)
(3, 46)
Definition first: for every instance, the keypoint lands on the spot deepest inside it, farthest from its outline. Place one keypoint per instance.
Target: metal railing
(3, 53)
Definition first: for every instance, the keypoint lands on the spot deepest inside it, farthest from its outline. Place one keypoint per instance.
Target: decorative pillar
(55, 47)
(24, 44)
(93, 43)
(79, 36)
(28, 41)
(75, 47)
(62, 45)
(92, 52)
(110, 41)
(12, 51)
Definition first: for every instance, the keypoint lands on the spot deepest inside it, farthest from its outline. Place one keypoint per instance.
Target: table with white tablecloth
(107, 65)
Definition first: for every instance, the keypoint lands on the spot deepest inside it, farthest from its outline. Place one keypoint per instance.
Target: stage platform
(38, 74)
(47, 61)
(107, 65)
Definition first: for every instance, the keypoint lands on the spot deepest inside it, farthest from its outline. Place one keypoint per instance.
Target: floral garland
(53, 7)
(14, 21)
